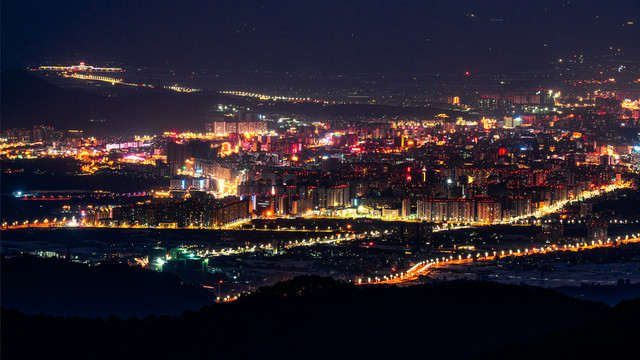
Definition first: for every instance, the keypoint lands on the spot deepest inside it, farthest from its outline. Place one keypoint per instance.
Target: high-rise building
(176, 154)
(406, 208)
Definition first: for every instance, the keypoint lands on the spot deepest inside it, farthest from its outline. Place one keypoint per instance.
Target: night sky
(352, 36)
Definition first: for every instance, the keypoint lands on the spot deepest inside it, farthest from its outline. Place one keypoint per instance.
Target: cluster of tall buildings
(469, 210)
(36, 134)
(444, 167)
(180, 213)
(243, 122)
(294, 199)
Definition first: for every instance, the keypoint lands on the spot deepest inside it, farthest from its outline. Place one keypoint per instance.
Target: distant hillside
(28, 100)
(317, 318)
(358, 110)
(608, 294)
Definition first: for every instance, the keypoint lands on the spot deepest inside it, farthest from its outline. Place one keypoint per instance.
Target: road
(426, 266)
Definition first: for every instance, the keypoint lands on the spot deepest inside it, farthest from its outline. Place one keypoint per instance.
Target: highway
(327, 240)
(426, 266)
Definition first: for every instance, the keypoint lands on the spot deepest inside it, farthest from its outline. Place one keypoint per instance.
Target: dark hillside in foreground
(610, 335)
(57, 287)
(312, 317)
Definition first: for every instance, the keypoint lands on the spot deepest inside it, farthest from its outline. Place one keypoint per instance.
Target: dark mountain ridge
(315, 317)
